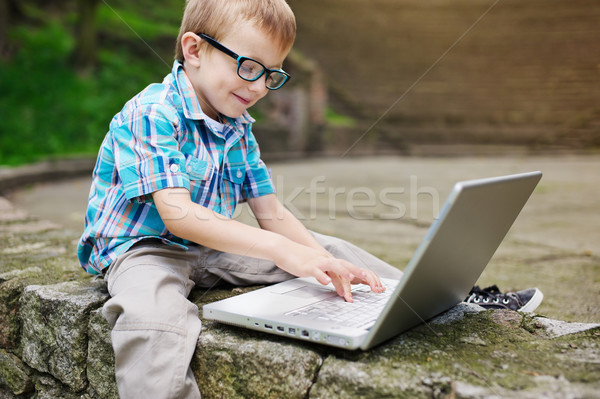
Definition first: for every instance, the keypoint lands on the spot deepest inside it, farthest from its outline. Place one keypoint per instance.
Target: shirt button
(174, 168)
(189, 168)
(239, 174)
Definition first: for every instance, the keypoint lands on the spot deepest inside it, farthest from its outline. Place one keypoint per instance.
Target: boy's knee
(334, 245)
(141, 303)
(327, 241)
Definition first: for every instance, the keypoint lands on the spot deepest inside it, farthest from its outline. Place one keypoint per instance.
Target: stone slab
(55, 325)
(100, 357)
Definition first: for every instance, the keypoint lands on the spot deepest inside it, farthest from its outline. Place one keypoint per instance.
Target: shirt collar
(190, 103)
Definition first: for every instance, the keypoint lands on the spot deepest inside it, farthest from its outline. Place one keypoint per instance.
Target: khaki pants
(155, 327)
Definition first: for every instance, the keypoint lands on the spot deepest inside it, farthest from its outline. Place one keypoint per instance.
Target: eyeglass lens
(251, 70)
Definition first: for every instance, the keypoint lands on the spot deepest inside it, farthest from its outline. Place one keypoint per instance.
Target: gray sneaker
(492, 298)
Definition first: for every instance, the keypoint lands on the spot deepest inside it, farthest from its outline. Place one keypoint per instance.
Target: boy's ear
(190, 44)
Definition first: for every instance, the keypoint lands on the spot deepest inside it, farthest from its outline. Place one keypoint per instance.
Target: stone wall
(458, 72)
(54, 342)
(292, 120)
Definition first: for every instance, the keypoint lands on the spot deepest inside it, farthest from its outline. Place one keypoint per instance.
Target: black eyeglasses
(249, 69)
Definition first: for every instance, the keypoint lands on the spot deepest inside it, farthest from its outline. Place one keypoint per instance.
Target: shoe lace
(492, 294)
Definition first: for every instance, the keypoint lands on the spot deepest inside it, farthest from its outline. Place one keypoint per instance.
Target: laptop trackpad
(300, 289)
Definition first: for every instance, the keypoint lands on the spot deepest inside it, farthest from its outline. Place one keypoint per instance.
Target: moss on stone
(238, 363)
(480, 352)
(14, 374)
(483, 354)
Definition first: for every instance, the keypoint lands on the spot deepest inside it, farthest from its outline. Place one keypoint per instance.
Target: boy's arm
(273, 216)
(193, 222)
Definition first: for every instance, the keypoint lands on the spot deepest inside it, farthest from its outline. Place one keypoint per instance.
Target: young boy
(176, 161)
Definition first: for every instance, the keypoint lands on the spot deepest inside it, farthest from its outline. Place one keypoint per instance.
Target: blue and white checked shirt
(160, 140)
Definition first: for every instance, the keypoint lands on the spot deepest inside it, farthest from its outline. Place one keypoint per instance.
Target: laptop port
(292, 331)
(305, 333)
(268, 326)
(280, 329)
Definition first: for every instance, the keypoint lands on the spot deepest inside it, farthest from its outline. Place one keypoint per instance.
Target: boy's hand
(298, 253)
(304, 262)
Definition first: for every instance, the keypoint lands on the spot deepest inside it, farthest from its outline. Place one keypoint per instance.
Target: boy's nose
(259, 85)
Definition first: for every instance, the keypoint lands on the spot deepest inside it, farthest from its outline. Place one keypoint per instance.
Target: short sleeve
(146, 151)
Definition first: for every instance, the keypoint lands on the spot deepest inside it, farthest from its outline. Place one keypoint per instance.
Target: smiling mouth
(242, 99)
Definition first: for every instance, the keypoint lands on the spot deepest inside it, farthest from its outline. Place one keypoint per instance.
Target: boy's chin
(233, 114)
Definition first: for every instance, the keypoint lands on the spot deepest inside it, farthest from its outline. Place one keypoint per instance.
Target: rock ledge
(54, 343)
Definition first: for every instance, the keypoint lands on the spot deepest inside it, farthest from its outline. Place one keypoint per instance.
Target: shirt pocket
(235, 174)
(201, 173)
(233, 180)
(198, 169)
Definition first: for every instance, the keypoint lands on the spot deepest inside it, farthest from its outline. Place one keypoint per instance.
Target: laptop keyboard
(362, 313)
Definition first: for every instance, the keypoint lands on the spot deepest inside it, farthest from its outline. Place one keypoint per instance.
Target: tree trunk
(85, 51)
(4, 20)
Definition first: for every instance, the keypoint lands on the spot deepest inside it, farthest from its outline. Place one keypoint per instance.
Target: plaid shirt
(159, 140)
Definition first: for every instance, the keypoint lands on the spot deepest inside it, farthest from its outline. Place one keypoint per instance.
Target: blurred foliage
(336, 119)
(49, 108)
(123, 23)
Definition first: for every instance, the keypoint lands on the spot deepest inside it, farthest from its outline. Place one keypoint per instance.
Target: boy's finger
(347, 291)
(339, 268)
(342, 287)
(373, 281)
(321, 276)
(365, 276)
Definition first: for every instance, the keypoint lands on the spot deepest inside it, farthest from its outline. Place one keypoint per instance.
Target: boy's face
(219, 88)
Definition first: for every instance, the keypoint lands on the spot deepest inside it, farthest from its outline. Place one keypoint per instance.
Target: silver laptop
(456, 249)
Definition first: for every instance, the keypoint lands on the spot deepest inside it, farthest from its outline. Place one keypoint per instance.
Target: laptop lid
(474, 220)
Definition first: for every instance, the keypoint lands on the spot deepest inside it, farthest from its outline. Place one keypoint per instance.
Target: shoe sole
(533, 303)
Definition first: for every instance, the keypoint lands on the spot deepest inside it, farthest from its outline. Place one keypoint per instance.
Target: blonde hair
(216, 17)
